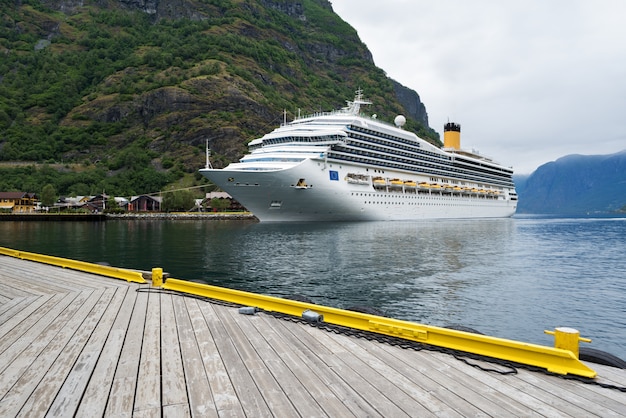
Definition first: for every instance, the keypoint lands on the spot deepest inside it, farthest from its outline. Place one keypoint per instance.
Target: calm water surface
(510, 278)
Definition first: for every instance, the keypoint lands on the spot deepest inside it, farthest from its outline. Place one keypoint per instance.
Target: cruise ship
(346, 166)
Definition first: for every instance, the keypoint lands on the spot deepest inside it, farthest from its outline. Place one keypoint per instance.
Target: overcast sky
(529, 81)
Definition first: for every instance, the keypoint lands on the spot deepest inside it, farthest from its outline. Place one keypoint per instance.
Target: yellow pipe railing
(114, 272)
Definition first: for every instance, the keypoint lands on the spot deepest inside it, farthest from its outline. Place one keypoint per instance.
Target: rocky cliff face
(411, 102)
(173, 9)
(219, 70)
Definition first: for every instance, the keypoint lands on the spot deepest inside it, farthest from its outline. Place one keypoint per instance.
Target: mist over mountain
(575, 184)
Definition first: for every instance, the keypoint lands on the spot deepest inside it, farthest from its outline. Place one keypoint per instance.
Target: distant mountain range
(575, 184)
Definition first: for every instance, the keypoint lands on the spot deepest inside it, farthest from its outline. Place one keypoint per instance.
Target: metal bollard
(567, 339)
(157, 277)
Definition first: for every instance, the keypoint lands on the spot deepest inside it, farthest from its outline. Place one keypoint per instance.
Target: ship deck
(78, 344)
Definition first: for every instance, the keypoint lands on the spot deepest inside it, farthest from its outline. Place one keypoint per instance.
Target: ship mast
(208, 155)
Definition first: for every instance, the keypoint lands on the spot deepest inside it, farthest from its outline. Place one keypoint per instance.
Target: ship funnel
(452, 135)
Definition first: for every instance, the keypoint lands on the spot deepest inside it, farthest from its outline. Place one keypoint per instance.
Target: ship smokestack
(452, 135)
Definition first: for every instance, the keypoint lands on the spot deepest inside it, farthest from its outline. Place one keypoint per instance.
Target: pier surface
(77, 344)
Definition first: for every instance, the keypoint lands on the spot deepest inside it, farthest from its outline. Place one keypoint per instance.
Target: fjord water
(511, 278)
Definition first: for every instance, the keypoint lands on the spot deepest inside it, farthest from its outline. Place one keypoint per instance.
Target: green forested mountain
(121, 95)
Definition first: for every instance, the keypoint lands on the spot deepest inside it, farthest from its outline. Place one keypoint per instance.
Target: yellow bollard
(157, 277)
(567, 339)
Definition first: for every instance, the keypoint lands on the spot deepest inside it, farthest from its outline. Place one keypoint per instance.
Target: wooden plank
(88, 280)
(38, 286)
(54, 279)
(148, 392)
(297, 357)
(69, 395)
(479, 383)
(39, 278)
(571, 397)
(25, 350)
(297, 393)
(428, 404)
(8, 309)
(174, 397)
(460, 393)
(610, 375)
(122, 394)
(31, 366)
(224, 395)
(176, 411)
(13, 289)
(360, 377)
(21, 321)
(271, 390)
(511, 388)
(201, 400)
(43, 396)
(15, 341)
(469, 389)
(16, 311)
(241, 362)
(96, 395)
(551, 406)
(325, 367)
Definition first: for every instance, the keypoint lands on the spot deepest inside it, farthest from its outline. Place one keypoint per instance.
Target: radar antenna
(354, 107)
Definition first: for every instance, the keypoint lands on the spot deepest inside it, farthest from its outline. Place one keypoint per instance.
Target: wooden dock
(76, 344)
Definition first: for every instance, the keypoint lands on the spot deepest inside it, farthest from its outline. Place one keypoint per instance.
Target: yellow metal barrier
(117, 273)
(553, 359)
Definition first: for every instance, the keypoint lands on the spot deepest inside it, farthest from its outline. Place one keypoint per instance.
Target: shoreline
(100, 217)
(184, 216)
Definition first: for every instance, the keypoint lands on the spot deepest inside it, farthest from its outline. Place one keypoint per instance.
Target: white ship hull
(315, 190)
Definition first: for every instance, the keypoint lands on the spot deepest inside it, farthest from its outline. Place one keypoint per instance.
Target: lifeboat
(397, 183)
(424, 186)
(357, 178)
(410, 183)
(379, 182)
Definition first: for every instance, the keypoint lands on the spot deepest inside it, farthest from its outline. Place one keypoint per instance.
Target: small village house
(145, 203)
(18, 202)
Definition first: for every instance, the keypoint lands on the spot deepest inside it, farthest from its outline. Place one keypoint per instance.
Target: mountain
(574, 185)
(121, 95)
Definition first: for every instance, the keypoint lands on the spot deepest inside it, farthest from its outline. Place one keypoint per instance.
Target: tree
(48, 195)
(180, 200)
(219, 205)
